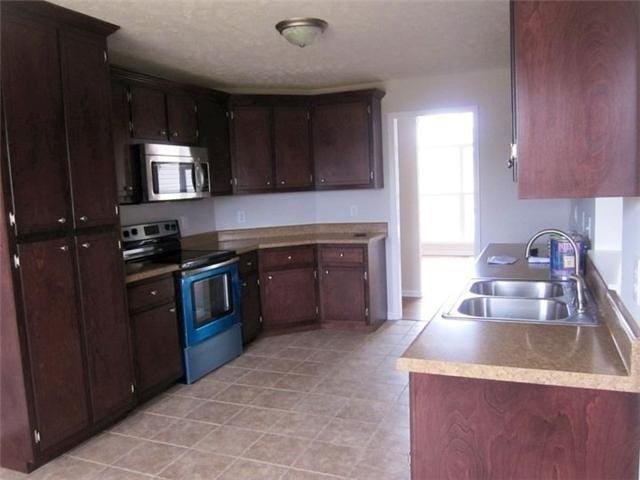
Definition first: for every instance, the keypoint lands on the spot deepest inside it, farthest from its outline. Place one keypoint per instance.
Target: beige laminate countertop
(135, 273)
(569, 356)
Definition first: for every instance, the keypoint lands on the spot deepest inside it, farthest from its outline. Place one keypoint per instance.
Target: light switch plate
(241, 216)
(353, 210)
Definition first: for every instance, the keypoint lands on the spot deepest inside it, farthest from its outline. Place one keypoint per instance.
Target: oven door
(175, 178)
(210, 300)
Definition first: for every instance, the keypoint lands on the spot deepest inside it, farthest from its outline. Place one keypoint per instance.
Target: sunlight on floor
(441, 277)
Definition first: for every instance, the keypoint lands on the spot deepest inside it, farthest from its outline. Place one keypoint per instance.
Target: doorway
(444, 148)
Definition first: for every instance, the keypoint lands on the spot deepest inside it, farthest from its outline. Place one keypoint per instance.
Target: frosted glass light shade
(301, 31)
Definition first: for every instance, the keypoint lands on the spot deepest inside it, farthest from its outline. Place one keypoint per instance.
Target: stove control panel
(149, 231)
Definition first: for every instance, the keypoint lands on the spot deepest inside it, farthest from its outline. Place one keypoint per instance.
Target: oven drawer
(149, 293)
(303, 256)
(339, 255)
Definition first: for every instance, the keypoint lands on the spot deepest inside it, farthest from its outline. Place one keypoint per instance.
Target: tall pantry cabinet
(65, 349)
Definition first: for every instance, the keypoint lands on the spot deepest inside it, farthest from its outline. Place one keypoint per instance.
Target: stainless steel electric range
(208, 289)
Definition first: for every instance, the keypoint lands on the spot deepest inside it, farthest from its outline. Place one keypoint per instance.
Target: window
(446, 182)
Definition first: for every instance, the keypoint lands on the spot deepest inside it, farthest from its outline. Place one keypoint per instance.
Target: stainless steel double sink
(528, 301)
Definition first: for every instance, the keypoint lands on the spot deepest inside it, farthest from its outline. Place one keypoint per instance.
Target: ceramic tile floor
(306, 406)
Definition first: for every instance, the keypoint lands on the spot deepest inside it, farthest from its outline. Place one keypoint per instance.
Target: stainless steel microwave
(174, 172)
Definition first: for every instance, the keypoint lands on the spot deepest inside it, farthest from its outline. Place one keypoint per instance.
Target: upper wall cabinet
(347, 143)
(576, 83)
(213, 119)
(292, 147)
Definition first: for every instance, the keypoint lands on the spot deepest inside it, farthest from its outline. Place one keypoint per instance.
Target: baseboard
(412, 293)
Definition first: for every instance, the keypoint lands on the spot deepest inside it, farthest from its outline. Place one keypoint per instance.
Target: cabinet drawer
(147, 294)
(342, 255)
(248, 263)
(287, 257)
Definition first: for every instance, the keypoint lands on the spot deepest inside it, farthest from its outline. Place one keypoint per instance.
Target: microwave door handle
(201, 179)
(196, 178)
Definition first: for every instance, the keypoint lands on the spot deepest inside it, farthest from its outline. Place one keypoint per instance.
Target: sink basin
(514, 309)
(518, 288)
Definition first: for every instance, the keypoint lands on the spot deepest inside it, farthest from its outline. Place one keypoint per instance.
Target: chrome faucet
(577, 277)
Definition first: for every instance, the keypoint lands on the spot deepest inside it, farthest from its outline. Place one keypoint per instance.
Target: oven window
(211, 299)
(172, 177)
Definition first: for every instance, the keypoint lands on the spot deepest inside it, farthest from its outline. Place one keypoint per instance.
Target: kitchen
(143, 360)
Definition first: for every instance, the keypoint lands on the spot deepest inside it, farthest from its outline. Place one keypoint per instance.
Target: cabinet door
(576, 70)
(33, 108)
(87, 100)
(293, 164)
(182, 119)
(214, 135)
(148, 113)
(342, 294)
(341, 145)
(251, 325)
(252, 154)
(289, 298)
(106, 323)
(51, 314)
(156, 345)
(127, 175)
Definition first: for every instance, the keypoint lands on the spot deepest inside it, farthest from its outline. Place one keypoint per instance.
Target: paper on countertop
(501, 260)
(538, 259)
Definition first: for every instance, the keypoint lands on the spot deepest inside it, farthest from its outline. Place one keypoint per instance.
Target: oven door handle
(190, 273)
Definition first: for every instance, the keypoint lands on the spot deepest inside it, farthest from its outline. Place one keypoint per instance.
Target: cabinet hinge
(235, 181)
(371, 174)
(133, 388)
(258, 282)
(514, 151)
(129, 98)
(260, 318)
(311, 178)
(16, 260)
(308, 115)
(117, 209)
(366, 277)
(195, 108)
(106, 58)
(119, 245)
(12, 219)
(317, 310)
(197, 133)
(366, 312)
(315, 274)
(130, 126)
(368, 109)
(36, 436)
(230, 113)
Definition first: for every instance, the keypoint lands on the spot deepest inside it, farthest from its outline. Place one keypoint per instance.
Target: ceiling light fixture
(301, 31)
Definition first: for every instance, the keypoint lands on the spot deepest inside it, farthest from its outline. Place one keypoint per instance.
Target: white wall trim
(412, 293)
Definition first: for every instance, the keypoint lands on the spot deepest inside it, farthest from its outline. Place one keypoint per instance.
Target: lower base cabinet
(484, 429)
(251, 317)
(156, 335)
(343, 295)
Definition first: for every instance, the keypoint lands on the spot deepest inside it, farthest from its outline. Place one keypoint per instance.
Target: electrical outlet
(575, 215)
(636, 281)
(241, 216)
(353, 210)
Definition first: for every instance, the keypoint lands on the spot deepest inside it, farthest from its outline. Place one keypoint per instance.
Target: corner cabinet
(69, 363)
(347, 140)
(576, 81)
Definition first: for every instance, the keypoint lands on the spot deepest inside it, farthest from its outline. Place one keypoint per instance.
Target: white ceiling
(234, 43)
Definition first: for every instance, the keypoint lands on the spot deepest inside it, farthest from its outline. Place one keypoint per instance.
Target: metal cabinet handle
(84, 218)
(268, 182)
(322, 180)
(249, 264)
(269, 277)
(153, 293)
(172, 310)
(289, 257)
(64, 248)
(85, 245)
(162, 132)
(175, 134)
(326, 272)
(128, 188)
(244, 284)
(282, 182)
(62, 220)
(341, 255)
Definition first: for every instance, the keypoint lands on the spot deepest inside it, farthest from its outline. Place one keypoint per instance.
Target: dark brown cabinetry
(87, 106)
(156, 339)
(288, 287)
(213, 119)
(128, 175)
(181, 119)
(105, 321)
(576, 100)
(34, 116)
(473, 428)
(347, 143)
(52, 320)
(251, 313)
(352, 285)
(252, 149)
(60, 238)
(292, 142)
